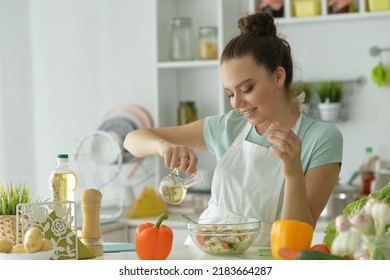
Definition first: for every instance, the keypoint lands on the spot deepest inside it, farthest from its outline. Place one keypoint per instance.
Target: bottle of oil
(63, 181)
(367, 171)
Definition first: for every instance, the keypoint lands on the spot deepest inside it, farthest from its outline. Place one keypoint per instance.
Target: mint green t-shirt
(322, 142)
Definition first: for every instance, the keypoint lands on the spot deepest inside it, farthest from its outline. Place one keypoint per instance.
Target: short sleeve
(328, 147)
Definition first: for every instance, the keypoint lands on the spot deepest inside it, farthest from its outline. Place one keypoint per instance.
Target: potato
(33, 231)
(33, 240)
(18, 249)
(46, 245)
(5, 246)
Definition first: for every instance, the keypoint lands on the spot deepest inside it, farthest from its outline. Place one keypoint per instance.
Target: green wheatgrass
(11, 195)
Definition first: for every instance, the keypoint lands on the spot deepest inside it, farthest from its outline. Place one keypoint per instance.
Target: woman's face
(251, 89)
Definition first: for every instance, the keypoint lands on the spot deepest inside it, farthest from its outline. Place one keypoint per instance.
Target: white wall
(87, 57)
(16, 114)
(2, 166)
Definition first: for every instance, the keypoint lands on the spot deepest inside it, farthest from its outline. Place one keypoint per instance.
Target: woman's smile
(248, 113)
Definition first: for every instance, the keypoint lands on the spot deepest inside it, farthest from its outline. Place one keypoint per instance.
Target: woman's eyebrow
(240, 83)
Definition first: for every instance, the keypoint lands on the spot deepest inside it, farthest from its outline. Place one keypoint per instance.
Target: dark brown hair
(258, 38)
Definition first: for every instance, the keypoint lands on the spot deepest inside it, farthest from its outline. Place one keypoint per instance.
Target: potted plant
(330, 93)
(10, 197)
(300, 87)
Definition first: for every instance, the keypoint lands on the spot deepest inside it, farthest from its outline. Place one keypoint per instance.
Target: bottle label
(63, 186)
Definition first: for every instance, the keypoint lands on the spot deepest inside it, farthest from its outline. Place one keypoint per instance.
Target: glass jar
(182, 39)
(186, 112)
(207, 42)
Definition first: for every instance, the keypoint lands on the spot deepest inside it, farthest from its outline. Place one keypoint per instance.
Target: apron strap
(241, 137)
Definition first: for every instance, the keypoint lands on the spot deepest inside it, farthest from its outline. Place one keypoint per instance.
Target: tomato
(321, 248)
(288, 254)
(200, 239)
(225, 245)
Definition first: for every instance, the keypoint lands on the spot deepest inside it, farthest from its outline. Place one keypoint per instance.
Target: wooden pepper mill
(91, 234)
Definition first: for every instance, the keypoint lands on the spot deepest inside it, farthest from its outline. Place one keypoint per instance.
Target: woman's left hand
(287, 146)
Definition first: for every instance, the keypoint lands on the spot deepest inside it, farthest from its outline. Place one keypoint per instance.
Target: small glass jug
(173, 188)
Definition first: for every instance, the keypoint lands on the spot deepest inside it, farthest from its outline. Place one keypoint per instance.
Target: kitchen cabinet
(115, 232)
(199, 80)
(196, 80)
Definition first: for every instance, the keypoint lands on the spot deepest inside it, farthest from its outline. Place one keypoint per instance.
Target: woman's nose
(237, 101)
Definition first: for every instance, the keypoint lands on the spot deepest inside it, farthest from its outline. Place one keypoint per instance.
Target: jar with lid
(182, 39)
(207, 42)
(186, 112)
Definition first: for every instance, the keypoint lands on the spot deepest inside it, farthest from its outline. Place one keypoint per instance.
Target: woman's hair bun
(259, 24)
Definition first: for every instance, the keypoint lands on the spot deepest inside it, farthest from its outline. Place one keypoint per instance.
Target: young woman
(273, 161)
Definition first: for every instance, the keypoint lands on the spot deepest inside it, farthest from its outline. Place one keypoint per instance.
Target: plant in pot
(10, 196)
(300, 87)
(330, 93)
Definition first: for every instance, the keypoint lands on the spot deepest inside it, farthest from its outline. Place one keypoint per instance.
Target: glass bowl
(223, 236)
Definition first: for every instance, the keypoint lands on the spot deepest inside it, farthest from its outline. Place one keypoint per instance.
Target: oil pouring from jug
(173, 188)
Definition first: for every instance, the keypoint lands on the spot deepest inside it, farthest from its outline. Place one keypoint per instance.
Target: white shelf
(290, 18)
(333, 18)
(187, 64)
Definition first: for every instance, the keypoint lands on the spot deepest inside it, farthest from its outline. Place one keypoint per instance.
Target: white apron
(247, 181)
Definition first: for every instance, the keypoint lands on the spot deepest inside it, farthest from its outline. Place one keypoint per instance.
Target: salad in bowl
(223, 236)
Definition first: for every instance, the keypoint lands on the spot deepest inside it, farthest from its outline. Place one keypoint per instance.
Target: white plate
(27, 256)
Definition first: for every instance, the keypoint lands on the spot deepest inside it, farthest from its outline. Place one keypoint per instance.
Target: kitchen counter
(185, 252)
(181, 251)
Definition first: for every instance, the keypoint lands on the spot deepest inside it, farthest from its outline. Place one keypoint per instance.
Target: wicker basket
(8, 228)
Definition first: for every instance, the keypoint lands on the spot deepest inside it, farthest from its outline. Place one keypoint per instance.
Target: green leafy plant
(329, 90)
(11, 195)
(354, 208)
(300, 87)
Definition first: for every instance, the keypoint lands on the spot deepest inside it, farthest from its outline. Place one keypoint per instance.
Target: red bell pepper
(153, 242)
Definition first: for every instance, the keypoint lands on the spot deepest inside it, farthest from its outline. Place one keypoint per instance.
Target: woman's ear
(280, 76)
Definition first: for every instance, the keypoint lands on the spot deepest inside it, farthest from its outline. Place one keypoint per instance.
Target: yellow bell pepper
(290, 234)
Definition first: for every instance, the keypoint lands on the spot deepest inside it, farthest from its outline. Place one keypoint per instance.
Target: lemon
(380, 75)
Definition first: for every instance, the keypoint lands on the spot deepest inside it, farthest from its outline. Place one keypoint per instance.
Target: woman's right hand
(178, 156)
(176, 144)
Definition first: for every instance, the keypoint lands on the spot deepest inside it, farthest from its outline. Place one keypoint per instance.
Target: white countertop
(185, 252)
(191, 252)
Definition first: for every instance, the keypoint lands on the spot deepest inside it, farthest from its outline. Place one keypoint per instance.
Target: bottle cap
(187, 103)
(208, 29)
(62, 156)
